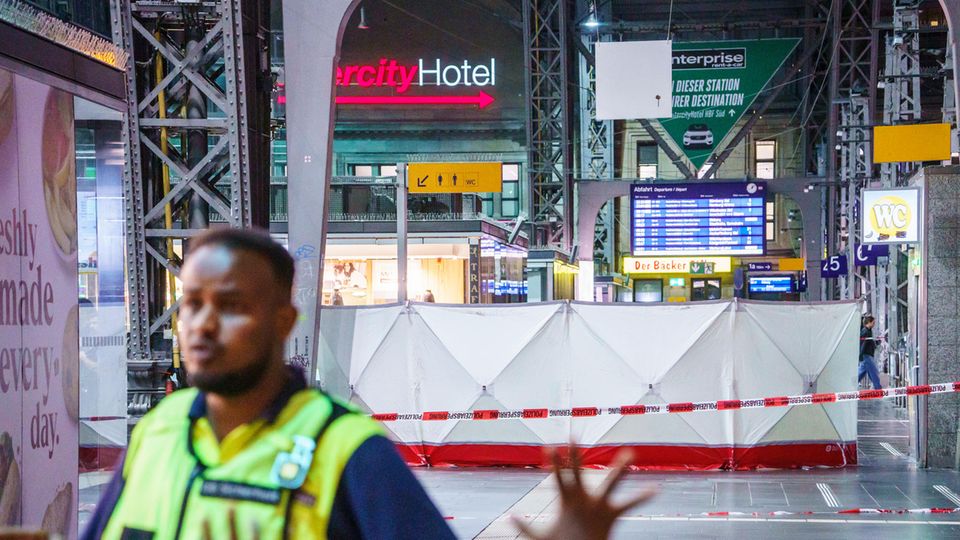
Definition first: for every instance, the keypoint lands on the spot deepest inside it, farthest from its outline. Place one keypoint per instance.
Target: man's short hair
(256, 241)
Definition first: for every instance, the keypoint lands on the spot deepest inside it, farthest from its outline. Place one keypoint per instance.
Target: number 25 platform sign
(834, 266)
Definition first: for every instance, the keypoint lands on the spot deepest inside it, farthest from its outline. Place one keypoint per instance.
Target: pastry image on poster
(59, 170)
(59, 513)
(6, 104)
(9, 483)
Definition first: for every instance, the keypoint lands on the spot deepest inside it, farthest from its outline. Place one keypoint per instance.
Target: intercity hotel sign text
(399, 76)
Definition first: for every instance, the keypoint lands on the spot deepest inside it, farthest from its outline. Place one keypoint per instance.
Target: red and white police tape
(780, 513)
(672, 408)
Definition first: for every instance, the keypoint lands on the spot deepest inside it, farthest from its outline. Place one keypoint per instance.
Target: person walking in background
(868, 346)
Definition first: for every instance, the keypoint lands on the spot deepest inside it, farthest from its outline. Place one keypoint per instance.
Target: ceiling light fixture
(592, 21)
(363, 19)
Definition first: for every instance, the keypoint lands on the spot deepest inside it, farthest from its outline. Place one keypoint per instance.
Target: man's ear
(286, 318)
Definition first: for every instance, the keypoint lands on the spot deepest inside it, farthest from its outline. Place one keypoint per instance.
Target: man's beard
(233, 383)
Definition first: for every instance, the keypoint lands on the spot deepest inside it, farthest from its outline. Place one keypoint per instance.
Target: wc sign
(891, 216)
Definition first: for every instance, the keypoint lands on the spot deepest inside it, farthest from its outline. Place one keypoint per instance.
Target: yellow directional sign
(792, 264)
(455, 177)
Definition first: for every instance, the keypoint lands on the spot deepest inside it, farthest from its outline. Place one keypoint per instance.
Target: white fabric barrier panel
(419, 358)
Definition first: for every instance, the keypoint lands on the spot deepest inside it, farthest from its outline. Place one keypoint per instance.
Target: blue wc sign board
(834, 266)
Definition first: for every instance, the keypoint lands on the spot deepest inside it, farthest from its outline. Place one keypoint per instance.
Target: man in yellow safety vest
(251, 447)
(250, 438)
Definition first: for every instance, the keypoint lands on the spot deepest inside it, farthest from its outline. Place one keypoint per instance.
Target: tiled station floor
(478, 502)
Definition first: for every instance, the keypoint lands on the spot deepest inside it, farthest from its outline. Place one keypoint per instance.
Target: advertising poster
(11, 421)
(714, 83)
(38, 308)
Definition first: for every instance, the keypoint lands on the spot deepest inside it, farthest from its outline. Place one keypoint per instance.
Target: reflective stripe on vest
(166, 487)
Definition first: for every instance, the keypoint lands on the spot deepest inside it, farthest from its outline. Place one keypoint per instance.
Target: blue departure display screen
(721, 218)
(771, 284)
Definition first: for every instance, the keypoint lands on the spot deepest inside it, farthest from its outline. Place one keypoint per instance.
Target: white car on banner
(698, 136)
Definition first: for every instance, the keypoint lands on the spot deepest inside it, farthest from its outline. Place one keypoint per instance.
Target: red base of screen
(100, 458)
(645, 457)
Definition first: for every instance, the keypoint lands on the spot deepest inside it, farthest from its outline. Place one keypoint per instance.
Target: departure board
(770, 284)
(722, 218)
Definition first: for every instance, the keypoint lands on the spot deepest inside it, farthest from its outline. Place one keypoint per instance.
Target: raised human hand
(585, 516)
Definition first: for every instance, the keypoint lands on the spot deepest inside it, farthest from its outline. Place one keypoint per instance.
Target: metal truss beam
(855, 170)
(758, 112)
(548, 122)
(901, 104)
(138, 344)
(188, 133)
(851, 110)
(596, 140)
(815, 101)
(660, 27)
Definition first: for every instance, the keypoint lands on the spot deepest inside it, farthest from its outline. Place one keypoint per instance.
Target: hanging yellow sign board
(466, 177)
(918, 142)
(792, 265)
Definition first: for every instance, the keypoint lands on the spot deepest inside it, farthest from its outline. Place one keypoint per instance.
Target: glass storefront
(101, 243)
(366, 274)
(363, 282)
(502, 267)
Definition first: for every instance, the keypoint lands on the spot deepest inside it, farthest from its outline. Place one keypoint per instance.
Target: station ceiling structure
(198, 127)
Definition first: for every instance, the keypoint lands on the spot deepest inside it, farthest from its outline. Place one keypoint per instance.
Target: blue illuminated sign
(834, 266)
(722, 218)
(869, 254)
(771, 284)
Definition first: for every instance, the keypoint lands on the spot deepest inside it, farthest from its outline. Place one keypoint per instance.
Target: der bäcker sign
(673, 265)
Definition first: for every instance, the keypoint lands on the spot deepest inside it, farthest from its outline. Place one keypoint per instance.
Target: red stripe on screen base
(100, 458)
(645, 457)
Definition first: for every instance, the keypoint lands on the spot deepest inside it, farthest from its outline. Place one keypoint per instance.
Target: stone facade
(942, 186)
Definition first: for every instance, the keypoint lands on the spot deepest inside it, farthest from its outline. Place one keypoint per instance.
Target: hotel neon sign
(390, 73)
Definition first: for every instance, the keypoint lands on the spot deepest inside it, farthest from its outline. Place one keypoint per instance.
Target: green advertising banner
(714, 82)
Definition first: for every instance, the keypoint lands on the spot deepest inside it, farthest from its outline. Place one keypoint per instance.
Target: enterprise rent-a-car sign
(714, 83)
(723, 218)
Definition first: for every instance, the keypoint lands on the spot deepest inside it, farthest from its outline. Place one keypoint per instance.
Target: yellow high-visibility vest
(177, 475)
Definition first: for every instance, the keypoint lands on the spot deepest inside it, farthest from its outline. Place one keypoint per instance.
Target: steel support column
(852, 86)
(901, 104)
(548, 122)
(188, 123)
(854, 173)
(596, 143)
